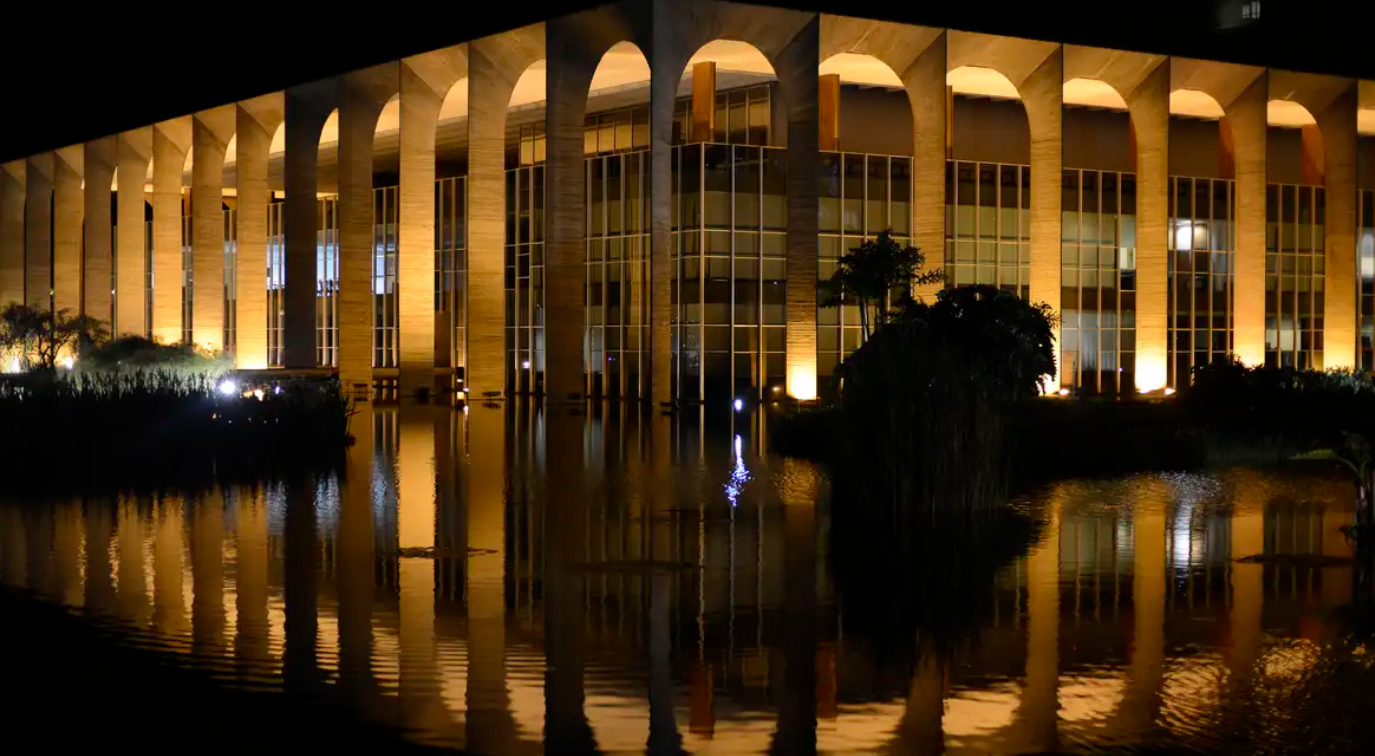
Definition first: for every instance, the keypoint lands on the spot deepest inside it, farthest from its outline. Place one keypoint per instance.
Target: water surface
(500, 580)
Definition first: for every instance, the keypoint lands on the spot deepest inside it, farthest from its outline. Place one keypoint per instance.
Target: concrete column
(12, 232)
(666, 64)
(922, 727)
(796, 66)
(357, 565)
(67, 535)
(135, 149)
(251, 560)
(208, 618)
(664, 737)
(362, 95)
(1150, 584)
(704, 101)
(570, 72)
(306, 110)
(169, 550)
(171, 140)
(926, 90)
(1038, 713)
(828, 112)
(419, 690)
(795, 731)
(211, 131)
(1340, 314)
(255, 123)
(1149, 106)
(420, 103)
(300, 668)
(68, 167)
(38, 239)
(100, 533)
(1041, 93)
(98, 234)
(132, 577)
(1245, 122)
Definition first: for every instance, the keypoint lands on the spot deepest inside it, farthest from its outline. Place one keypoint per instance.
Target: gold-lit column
(565, 212)
(424, 82)
(666, 64)
(135, 149)
(68, 204)
(12, 232)
(255, 123)
(1149, 106)
(169, 551)
(922, 728)
(490, 726)
(97, 293)
(207, 574)
(133, 581)
(1337, 122)
(362, 95)
(171, 141)
(1042, 94)
(704, 101)
(1247, 579)
(1038, 714)
(796, 728)
(100, 534)
(68, 535)
(828, 112)
(422, 706)
(924, 81)
(251, 645)
(1146, 659)
(797, 66)
(306, 108)
(1244, 126)
(663, 722)
(211, 131)
(38, 239)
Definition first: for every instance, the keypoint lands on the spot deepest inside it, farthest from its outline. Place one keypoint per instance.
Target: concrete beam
(171, 142)
(38, 240)
(99, 162)
(68, 169)
(362, 95)
(425, 80)
(256, 121)
(495, 64)
(306, 109)
(12, 232)
(211, 131)
(135, 150)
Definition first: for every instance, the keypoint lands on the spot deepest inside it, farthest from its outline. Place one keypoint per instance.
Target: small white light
(739, 404)
(1064, 392)
(258, 394)
(276, 389)
(525, 364)
(1169, 391)
(228, 387)
(465, 409)
(68, 362)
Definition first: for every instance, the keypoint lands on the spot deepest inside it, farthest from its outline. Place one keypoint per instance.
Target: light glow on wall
(802, 381)
(1151, 372)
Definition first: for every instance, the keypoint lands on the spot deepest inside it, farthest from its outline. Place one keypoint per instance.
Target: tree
(39, 337)
(876, 276)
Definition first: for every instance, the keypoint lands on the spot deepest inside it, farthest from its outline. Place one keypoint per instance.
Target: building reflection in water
(505, 577)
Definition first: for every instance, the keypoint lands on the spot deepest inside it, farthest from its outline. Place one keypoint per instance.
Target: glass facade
(276, 282)
(231, 281)
(1201, 247)
(385, 305)
(525, 276)
(327, 284)
(988, 225)
(1365, 268)
(617, 268)
(450, 266)
(860, 196)
(1294, 265)
(187, 265)
(1098, 282)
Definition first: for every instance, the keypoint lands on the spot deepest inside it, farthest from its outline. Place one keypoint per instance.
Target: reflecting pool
(502, 580)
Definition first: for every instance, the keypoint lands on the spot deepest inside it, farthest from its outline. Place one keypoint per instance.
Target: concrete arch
(97, 296)
(426, 83)
(1195, 103)
(1141, 82)
(1329, 146)
(211, 133)
(171, 143)
(257, 124)
(495, 65)
(1037, 70)
(917, 56)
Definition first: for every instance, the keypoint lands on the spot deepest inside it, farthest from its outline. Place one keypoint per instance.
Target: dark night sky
(62, 84)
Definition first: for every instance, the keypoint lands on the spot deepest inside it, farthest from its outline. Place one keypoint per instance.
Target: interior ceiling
(624, 70)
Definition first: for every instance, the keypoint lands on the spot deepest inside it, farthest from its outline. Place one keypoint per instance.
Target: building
(638, 201)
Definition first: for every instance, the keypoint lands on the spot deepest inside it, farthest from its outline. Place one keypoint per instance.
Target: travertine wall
(1149, 105)
(1245, 123)
(68, 166)
(1041, 93)
(171, 140)
(38, 195)
(1340, 317)
(100, 158)
(135, 149)
(211, 131)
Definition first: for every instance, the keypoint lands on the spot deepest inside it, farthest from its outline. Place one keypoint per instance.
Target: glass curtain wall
(231, 297)
(276, 282)
(988, 225)
(1366, 270)
(187, 265)
(148, 272)
(450, 265)
(1294, 273)
(525, 275)
(1098, 282)
(385, 305)
(1201, 246)
(327, 284)
(860, 196)
(616, 268)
